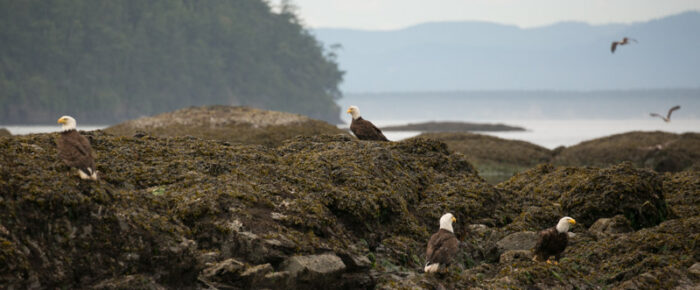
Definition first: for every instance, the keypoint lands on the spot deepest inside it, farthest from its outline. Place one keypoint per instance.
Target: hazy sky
(393, 14)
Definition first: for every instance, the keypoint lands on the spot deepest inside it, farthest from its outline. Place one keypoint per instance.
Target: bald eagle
(442, 246)
(553, 241)
(363, 129)
(75, 149)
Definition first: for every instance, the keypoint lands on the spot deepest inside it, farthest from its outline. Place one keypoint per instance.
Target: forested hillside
(107, 61)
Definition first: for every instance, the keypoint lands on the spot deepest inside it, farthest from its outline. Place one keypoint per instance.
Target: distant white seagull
(624, 41)
(668, 116)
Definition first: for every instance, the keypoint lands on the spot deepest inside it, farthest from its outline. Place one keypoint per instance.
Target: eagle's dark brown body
(75, 150)
(551, 243)
(442, 247)
(365, 130)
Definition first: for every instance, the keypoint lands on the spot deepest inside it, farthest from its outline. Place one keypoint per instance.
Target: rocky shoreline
(328, 211)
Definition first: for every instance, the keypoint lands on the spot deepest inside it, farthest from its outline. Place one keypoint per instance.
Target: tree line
(108, 61)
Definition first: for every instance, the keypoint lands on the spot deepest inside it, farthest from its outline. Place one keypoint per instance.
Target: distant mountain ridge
(446, 56)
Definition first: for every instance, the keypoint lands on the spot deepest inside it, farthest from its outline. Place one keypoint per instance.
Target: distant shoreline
(454, 127)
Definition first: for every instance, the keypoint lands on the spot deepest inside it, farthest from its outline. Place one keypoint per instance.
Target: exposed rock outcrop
(185, 212)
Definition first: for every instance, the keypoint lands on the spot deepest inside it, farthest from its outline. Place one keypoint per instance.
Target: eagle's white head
(354, 111)
(67, 123)
(446, 222)
(564, 224)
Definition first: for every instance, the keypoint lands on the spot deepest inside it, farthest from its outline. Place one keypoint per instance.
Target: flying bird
(553, 241)
(363, 129)
(624, 41)
(668, 116)
(442, 245)
(75, 149)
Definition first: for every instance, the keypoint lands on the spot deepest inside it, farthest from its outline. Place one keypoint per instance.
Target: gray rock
(274, 280)
(517, 241)
(208, 257)
(227, 270)
(355, 262)
(516, 255)
(695, 269)
(256, 274)
(316, 269)
(615, 225)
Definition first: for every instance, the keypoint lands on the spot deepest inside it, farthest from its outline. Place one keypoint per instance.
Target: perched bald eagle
(363, 129)
(553, 241)
(75, 149)
(442, 246)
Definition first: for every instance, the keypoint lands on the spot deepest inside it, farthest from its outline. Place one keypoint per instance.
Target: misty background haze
(399, 61)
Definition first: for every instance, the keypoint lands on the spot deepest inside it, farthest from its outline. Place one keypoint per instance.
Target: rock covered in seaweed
(661, 151)
(227, 123)
(167, 206)
(195, 213)
(588, 194)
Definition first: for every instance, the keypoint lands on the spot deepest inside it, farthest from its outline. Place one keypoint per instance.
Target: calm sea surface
(546, 133)
(554, 133)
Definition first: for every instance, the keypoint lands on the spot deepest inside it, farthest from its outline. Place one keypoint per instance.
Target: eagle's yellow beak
(572, 221)
(348, 111)
(454, 219)
(61, 121)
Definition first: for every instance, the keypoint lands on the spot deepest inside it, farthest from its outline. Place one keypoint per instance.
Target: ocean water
(554, 133)
(546, 133)
(33, 129)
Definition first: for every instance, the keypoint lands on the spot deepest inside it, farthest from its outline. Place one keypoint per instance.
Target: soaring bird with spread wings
(668, 116)
(624, 41)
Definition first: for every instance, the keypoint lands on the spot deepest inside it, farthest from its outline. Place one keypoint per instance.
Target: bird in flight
(668, 116)
(624, 41)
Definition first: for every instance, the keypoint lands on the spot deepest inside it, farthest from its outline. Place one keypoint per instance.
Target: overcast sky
(394, 14)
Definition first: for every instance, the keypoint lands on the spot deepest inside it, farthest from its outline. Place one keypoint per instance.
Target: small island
(453, 127)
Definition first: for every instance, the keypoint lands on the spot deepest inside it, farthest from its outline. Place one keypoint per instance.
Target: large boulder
(587, 194)
(635, 193)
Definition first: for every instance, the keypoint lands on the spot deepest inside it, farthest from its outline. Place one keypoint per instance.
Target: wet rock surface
(185, 212)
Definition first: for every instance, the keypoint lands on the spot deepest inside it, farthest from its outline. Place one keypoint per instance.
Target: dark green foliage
(108, 61)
